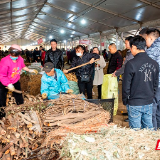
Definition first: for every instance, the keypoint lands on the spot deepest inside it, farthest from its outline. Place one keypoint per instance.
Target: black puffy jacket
(56, 57)
(88, 69)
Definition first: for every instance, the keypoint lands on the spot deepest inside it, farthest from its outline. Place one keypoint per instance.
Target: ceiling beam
(56, 17)
(38, 26)
(22, 8)
(6, 30)
(9, 24)
(9, 35)
(14, 17)
(14, 23)
(6, 1)
(153, 4)
(34, 17)
(67, 11)
(35, 37)
(44, 25)
(107, 11)
(9, 40)
(11, 11)
(15, 30)
(35, 33)
(61, 26)
(51, 32)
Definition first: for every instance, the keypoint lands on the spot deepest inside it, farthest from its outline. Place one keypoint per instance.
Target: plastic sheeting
(110, 90)
(74, 86)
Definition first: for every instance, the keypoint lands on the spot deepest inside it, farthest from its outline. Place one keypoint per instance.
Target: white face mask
(79, 54)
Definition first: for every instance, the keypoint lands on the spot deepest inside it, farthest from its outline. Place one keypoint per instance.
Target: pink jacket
(10, 71)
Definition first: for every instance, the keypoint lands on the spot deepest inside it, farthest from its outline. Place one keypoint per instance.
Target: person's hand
(70, 91)
(91, 61)
(33, 71)
(11, 87)
(65, 71)
(44, 95)
(114, 74)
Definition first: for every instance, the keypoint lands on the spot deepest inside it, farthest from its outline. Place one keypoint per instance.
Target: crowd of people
(36, 55)
(140, 70)
(141, 82)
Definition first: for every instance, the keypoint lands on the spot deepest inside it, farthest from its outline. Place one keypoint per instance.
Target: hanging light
(62, 31)
(83, 21)
(50, 37)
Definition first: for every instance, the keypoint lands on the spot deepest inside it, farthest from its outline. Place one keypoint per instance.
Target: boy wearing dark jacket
(139, 86)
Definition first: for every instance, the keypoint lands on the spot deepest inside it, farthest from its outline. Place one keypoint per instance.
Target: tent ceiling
(34, 19)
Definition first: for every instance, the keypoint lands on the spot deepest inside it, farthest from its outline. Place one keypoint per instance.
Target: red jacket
(43, 57)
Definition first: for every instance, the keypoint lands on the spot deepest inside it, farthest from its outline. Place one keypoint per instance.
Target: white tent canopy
(71, 20)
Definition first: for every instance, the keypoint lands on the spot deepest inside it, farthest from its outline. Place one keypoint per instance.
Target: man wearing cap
(10, 69)
(53, 82)
(55, 55)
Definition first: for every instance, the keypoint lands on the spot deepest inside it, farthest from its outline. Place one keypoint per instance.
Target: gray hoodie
(154, 53)
(129, 56)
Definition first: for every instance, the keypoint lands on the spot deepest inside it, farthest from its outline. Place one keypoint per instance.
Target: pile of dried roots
(21, 136)
(36, 127)
(27, 99)
(31, 83)
(112, 143)
(71, 77)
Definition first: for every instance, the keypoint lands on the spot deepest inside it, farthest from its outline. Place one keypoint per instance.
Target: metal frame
(150, 3)
(14, 10)
(10, 27)
(35, 17)
(66, 21)
(78, 15)
(97, 101)
(61, 26)
(6, 1)
(107, 11)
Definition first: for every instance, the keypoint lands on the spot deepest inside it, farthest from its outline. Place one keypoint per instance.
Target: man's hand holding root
(44, 95)
(70, 91)
(65, 71)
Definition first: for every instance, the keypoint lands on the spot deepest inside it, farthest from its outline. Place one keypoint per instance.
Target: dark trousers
(3, 96)
(156, 110)
(156, 115)
(86, 86)
(99, 91)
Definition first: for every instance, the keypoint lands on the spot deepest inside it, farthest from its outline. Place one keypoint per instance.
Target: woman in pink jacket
(10, 68)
